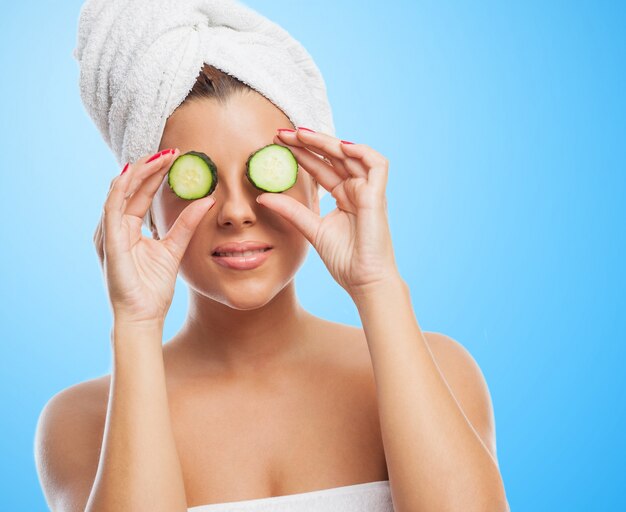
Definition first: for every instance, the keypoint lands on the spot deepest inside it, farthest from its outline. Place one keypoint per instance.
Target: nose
(236, 202)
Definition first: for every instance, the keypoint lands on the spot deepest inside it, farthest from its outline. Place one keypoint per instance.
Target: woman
(255, 400)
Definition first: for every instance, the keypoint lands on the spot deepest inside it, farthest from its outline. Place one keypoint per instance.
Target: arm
(139, 469)
(129, 463)
(435, 457)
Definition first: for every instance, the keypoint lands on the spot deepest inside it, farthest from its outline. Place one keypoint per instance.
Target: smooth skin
(254, 396)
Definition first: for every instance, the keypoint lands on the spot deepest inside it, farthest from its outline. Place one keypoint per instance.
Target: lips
(240, 247)
(248, 262)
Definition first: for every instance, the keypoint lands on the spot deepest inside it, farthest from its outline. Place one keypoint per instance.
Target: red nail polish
(155, 156)
(125, 168)
(347, 142)
(306, 129)
(285, 130)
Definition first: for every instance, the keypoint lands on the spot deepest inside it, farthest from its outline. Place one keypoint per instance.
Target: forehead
(245, 122)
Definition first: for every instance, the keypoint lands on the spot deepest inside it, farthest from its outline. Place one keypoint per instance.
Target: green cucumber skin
(265, 190)
(212, 168)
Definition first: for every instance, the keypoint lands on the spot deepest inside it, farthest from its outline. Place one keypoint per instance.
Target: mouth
(243, 260)
(240, 254)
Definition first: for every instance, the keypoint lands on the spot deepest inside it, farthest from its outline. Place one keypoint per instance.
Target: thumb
(179, 235)
(302, 217)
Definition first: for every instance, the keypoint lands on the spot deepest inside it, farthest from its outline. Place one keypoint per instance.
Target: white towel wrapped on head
(140, 58)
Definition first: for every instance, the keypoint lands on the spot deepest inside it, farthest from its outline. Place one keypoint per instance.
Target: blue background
(504, 126)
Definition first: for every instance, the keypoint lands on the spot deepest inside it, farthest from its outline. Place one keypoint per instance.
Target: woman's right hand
(141, 272)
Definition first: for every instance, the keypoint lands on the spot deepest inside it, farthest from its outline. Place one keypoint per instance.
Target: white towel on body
(366, 497)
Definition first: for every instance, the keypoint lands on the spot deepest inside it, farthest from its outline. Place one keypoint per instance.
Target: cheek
(292, 251)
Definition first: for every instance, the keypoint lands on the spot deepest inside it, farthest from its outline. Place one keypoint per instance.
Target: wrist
(126, 329)
(141, 321)
(390, 286)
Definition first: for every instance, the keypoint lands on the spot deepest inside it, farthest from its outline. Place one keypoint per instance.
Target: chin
(244, 295)
(248, 305)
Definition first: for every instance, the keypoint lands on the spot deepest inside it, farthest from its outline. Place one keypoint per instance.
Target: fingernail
(159, 154)
(154, 157)
(285, 130)
(347, 142)
(306, 129)
(125, 168)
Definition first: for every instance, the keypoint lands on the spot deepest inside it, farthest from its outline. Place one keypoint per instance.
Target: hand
(141, 272)
(354, 240)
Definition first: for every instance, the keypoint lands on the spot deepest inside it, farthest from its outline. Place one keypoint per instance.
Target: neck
(216, 337)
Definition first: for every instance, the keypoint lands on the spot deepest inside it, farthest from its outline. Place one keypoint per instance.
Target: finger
(148, 181)
(119, 192)
(303, 218)
(112, 212)
(97, 240)
(124, 169)
(323, 173)
(144, 168)
(290, 138)
(377, 164)
(331, 147)
(369, 156)
(178, 237)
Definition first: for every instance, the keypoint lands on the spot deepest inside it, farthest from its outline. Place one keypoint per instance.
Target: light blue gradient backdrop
(504, 125)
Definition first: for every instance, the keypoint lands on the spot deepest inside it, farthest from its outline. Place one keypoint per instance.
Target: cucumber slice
(192, 175)
(273, 168)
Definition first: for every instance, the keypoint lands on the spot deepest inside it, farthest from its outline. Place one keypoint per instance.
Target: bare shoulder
(67, 443)
(467, 383)
(458, 367)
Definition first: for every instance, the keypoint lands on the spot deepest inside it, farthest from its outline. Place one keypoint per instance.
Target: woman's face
(228, 134)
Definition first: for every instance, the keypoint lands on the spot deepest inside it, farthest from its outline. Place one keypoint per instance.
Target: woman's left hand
(354, 240)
